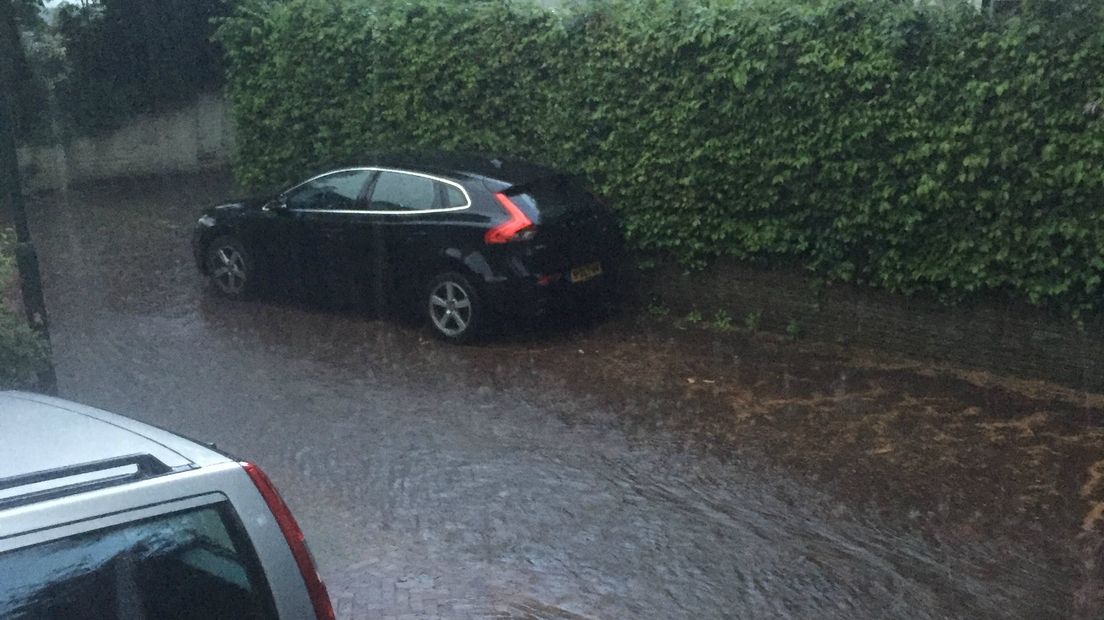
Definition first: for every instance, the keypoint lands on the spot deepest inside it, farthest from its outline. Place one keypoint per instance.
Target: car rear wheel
(454, 307)
(230, 267)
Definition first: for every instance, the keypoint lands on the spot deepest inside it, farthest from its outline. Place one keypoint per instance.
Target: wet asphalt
(536, 475)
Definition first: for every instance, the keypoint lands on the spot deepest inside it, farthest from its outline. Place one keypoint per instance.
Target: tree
(19, 347)
(131, 56)
(28, 93)
(28, 14)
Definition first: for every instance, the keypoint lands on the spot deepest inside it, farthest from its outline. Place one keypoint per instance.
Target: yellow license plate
(586, 272)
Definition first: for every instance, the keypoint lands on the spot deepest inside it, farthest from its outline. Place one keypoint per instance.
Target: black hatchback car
(462, 239)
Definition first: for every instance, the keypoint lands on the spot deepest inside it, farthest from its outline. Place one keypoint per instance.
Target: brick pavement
(361, 593)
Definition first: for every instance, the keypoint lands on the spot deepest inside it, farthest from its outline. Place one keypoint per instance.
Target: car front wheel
(230, 267)
(454, 307)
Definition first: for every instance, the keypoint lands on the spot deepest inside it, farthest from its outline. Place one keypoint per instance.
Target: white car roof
(40, 433)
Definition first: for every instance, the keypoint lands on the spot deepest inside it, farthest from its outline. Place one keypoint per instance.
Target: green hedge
(22, 352)
(921, 149)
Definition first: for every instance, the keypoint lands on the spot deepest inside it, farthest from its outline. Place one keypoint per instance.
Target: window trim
(371, 180)
(371, 187)
(108, 520)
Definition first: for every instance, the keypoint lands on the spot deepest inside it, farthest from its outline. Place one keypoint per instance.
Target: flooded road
(619, 470)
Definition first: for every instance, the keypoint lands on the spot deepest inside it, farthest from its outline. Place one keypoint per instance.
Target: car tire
(454, 308)
(230, 268)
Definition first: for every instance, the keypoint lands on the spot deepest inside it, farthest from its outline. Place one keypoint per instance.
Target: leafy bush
(22, 351)
(919, 148)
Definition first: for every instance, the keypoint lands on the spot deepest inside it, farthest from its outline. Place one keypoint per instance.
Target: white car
(105, 517)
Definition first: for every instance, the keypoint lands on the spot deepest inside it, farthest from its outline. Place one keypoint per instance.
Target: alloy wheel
(228, 270)
(450, 308)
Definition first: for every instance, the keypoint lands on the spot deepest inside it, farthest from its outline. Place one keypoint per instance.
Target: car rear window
(554, 197)
(397, 191)
(455, 197)
(187, 565)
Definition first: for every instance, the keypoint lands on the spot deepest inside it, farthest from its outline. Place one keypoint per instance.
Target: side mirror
(278, 203)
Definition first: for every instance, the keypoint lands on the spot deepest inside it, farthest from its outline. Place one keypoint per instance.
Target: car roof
(506, 170)
(41, 433)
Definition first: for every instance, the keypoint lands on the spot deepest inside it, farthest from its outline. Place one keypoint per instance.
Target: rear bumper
(524, 297)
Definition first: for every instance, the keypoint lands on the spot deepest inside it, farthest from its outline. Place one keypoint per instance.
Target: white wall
(196, 137)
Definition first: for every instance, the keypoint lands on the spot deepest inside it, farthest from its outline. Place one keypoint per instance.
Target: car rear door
(418, 218)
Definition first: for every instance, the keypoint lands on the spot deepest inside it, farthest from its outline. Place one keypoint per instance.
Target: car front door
(331, 248)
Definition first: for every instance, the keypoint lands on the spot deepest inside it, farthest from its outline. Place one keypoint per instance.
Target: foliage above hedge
(917, 148)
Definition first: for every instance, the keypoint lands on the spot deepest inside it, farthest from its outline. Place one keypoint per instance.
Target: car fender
(472, 264)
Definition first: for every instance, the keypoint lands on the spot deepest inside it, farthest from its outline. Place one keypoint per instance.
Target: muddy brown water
(619, 469)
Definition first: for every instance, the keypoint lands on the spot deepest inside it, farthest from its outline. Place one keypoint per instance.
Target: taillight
(319, 597)
(518, 228)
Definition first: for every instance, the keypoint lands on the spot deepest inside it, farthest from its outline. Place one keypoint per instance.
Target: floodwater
(616, 470)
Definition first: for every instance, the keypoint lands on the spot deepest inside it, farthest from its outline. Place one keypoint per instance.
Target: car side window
(454, 196)
(193, 564)
(338, 191)
(397, 191)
